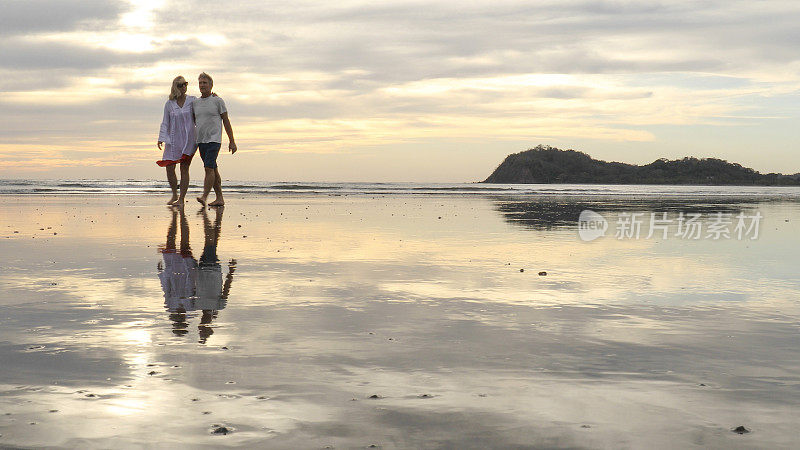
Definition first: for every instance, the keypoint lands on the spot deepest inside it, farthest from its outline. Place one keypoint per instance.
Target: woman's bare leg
(184, 181)
(173, 183)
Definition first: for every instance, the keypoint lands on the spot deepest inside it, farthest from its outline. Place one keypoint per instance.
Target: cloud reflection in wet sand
(624, 343)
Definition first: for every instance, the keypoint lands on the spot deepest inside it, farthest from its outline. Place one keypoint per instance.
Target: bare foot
(202, 200)
(217, 203)
(173, 199)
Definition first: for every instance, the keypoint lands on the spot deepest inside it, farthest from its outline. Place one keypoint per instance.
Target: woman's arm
(163, 134)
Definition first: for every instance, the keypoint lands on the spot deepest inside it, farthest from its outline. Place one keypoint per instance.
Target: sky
(434, 91)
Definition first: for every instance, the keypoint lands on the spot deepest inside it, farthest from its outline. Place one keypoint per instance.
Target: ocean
(138, 187)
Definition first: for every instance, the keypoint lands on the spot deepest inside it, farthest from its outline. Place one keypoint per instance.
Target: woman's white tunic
(177, 132)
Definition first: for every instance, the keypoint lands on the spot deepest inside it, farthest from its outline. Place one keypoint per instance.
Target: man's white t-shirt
(209, 288)
(207, 119)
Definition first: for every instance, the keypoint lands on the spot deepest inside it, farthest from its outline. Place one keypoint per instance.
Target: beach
(432, 318)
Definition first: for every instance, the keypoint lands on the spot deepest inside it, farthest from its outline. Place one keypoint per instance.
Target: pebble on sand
(522, 270)
(221, 430)
(374, 396)
(542, 273)
(740, 430)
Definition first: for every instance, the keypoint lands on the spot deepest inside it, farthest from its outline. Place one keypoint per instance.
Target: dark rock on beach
(740, 430)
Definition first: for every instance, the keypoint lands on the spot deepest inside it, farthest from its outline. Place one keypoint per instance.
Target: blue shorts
(209, 152)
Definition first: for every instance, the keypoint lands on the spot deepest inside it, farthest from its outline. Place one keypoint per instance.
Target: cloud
(39, 16)
(37, 53)
(404, 41)
(320, 77)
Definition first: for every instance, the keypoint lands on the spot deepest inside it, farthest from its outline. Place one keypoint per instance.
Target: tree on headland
(545, 164)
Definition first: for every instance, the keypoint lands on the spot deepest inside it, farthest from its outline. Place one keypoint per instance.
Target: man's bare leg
(184, 181)
(219, 201)
(173, 183)
(208, 183)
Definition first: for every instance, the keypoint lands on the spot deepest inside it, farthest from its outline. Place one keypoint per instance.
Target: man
(210, 114)
(212, 293)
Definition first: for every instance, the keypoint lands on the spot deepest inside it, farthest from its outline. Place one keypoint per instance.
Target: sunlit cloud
(309, 77)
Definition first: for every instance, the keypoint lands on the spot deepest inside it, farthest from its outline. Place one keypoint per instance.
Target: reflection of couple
(189, 286)
(190, 123)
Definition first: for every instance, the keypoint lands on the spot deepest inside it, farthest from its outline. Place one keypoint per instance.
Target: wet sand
(400, 321)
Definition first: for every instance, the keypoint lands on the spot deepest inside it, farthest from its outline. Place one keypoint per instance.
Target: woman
(178, 135)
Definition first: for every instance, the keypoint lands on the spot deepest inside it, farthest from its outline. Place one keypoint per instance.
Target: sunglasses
(180, 85)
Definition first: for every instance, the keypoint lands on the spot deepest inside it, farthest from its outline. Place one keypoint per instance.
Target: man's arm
(227, 123)
(226, 288)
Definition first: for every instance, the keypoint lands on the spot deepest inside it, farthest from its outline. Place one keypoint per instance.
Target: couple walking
(190, 123)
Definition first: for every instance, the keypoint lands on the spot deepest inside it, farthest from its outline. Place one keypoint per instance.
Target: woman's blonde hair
(175, 92)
